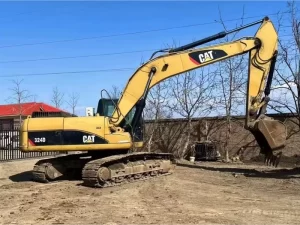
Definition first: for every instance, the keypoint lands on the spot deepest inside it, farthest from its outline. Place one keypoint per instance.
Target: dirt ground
(201, 193)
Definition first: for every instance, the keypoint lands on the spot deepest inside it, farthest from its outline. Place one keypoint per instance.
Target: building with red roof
(11, 114)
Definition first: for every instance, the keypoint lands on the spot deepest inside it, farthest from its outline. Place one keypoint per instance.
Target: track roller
(127, 168)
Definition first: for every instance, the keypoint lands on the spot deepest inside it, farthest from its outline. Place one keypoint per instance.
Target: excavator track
(52, 169)
(120, 169)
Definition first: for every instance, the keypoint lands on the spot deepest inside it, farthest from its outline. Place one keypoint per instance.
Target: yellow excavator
(109, 137)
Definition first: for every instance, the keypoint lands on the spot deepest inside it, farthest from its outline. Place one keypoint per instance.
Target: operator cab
(106, 107)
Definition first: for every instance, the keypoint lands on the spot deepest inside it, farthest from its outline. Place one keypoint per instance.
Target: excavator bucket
(274, 132)
(271, 136)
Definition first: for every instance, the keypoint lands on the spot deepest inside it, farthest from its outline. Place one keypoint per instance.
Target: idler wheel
(52, 172)
(103, 174)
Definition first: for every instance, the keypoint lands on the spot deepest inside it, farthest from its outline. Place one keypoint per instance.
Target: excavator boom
(262, 49)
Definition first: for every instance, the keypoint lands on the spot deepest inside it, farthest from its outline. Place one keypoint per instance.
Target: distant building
(11, 114)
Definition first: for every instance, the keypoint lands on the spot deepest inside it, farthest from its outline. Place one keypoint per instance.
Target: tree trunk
(228, 135)
(226, 154)
(150, 143)
(186, 143)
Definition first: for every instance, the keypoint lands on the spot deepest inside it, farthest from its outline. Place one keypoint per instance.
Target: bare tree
(231, 81)
(155, 110)
(57, 98)
(156, 104)
(191, 96)
(73, 101)
(285, 95)
(19, 96)
(34, 97)
(115, 92)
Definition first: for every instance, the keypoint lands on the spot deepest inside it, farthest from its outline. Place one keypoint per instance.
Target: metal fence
(9, 147)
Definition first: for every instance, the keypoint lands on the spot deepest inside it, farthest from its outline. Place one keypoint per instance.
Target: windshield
(109, 109)
(106, 107)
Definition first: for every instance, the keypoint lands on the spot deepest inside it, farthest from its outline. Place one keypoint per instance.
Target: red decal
(31, 142)
(194, 61)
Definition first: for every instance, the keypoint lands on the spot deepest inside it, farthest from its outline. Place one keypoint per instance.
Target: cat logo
(206, 56)
(88, 138)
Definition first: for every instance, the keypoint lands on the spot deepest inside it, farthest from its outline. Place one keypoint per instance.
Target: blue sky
(36, 22)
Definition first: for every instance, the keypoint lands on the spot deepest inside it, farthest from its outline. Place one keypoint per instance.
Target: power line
(87, 56)
(74, 57)
(84, 71)
(69, 72)
(131, 33)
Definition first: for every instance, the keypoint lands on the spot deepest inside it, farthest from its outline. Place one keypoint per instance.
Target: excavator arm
(262, 49)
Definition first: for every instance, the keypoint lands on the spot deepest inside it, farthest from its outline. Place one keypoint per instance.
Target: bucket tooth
(273, 159)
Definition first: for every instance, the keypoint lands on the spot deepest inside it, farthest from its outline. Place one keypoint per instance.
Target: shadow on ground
(27, 176)
(274, 173)
(21, 177)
